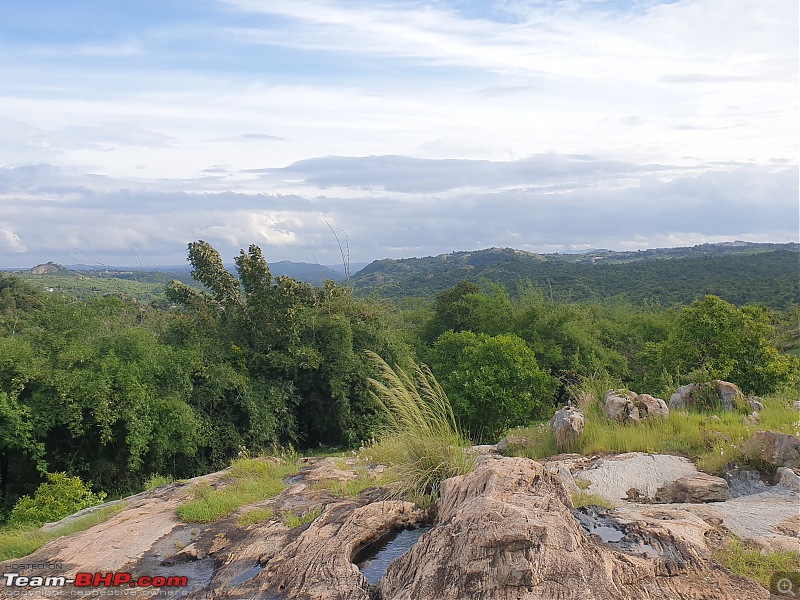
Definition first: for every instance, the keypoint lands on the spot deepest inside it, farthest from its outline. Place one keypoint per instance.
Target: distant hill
(46, 268)
(740, 272)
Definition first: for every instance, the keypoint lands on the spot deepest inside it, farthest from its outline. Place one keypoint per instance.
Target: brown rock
(779, 449)
(620, 406)
(695, 489)
(506, 531)
(651, 407)
(695, 395)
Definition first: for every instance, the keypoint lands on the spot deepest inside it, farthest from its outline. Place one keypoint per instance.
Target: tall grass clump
(421, 441)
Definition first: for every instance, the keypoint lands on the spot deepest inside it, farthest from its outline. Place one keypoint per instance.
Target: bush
(494, 382)
(54, 499)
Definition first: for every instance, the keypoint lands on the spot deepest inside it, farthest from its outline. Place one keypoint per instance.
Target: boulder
(512, 441)
(651, 407)
(700, 395)
(620, 406)
(696, 488)
(508, 531)
(729, 394)
(788, 477)
(778, 449)
(755, 404)
(567, 425)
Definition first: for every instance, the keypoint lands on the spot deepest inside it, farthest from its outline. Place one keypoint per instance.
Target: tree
(712, 339)
(493, 382)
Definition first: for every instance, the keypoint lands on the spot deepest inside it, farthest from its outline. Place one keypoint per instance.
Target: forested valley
(115, 389)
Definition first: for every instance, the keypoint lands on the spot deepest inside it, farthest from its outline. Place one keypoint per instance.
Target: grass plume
(421, 443)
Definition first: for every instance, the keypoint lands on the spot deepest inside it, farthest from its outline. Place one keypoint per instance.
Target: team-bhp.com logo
(93, 580)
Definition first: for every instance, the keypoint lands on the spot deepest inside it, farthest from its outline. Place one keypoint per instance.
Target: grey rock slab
(612, 477)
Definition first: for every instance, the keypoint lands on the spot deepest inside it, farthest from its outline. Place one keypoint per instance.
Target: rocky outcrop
(567, 425)
(507, 531)
(696, 488)
(715, 394)
(620, 406)
(626, 406)
(46, 268)
(777, 449)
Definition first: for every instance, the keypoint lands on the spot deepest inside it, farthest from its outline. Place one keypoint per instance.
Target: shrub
(494, 382)
(54, 499)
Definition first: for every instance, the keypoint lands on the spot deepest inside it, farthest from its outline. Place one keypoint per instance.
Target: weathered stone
(567, 426)
(695, 489)
(695, 395)
(779, 449)
(755, 403)
(788, 477)
(506, 531)
(620, 406)
(796, 405)
(651, 407)
(729, 394)
(512, 441)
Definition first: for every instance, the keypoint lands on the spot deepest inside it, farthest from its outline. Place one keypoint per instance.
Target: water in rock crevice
(373, 559)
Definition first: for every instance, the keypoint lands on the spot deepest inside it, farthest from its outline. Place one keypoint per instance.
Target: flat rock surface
(611, 477)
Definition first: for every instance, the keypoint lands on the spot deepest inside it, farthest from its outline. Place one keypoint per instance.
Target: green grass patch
(352, 487)
(583, 499)
(292, 519)
(249, 480)
(756, 563)
(421, 443)
(16, 542)
(257, 515)
(713, 442)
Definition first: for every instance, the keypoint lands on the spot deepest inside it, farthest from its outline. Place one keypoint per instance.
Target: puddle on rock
(246, 575)
(598, 521)
(373, 559)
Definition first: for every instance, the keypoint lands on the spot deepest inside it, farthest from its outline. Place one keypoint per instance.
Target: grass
(257, 515)
(421, 443)
(712, 442)
(249, 480)
(292, 519)
(353, 487)
(756, 563)
(16, 542)
(583, 499)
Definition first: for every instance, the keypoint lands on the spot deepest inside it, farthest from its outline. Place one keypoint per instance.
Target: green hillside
(752, 274)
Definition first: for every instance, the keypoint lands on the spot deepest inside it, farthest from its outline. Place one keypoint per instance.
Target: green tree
(712, 339)
(493, 382)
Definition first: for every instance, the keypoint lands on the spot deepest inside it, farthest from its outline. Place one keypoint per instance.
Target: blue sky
(416, 128)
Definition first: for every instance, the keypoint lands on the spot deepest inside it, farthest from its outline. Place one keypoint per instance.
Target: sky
(393, 128)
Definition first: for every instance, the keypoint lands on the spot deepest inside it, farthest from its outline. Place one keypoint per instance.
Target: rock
(694, 488)
(651, 407)
(788, 477)
(755, 404)
(778, 449)
(620, 406)
(796, 405)
(507, 531)
(511, 441)
(693, 396)
(752, 419)
(730, 394)
(567, 424)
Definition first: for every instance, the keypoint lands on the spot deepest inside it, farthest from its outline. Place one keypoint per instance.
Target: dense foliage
(114, 389)
(764, 274)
